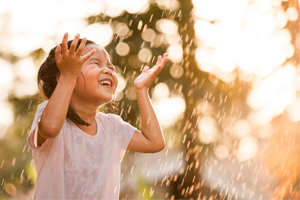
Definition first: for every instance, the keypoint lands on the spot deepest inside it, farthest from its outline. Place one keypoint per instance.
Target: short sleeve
(125, 132)
(32, 138)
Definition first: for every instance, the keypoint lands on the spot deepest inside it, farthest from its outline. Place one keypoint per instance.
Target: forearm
(150, 126)
(55, 112)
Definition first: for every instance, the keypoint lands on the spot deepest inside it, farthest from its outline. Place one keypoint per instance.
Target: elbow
(47, 132)
(159, 147)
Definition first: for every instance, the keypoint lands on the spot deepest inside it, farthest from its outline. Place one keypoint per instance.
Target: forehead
(100, 52)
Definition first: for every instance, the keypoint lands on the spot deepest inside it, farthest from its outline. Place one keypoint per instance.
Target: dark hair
(47, 82)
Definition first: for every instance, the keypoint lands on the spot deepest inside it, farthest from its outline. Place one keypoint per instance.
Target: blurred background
(228, 99)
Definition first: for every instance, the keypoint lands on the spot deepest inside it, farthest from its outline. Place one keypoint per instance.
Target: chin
(105, 100)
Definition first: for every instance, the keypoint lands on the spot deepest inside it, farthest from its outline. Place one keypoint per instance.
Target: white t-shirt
(75, 165)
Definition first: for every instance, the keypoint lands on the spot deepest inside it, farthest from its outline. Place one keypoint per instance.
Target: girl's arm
(150, 139)
(69, 63)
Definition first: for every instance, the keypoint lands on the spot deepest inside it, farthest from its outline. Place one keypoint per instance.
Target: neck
(85, 111)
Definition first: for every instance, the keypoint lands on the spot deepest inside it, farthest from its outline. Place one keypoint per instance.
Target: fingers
(64, 44)
(88, 55)
(165, 59)
(74, 44)
(165, 55)
(146, 68)
(160, 63)
(81, 46)
(57, 52)
(158, 60)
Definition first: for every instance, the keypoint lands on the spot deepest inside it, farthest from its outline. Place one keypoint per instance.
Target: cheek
(86, 82)
(117, 82)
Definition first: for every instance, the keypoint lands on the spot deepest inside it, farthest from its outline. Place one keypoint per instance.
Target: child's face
(99, 81)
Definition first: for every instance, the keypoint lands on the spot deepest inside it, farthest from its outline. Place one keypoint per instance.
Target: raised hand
(147, 76)
(69, 62)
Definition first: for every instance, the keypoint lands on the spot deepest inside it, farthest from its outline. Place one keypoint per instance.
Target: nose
(107, 71)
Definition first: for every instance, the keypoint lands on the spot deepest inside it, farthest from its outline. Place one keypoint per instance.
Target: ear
(57, 78)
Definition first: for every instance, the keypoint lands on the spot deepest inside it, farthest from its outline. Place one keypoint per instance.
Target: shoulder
(41, 106)
(108, 116)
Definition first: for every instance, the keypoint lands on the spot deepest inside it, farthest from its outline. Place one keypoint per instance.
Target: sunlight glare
(175, 53)
(208, 130)
(221, 152)
(101, 33)
(241, 128)
(121, 83)
(6, 116)
(172, 5)
(166, 112)
(294, 110)
(167, 26)
(292, 14)
(247, 148)
(7, 77)
(161, 90)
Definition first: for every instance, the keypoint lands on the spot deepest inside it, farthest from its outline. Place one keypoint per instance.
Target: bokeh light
(145, 55)
(101, 33)
(208, 130)
(228, 99)
(122, 49)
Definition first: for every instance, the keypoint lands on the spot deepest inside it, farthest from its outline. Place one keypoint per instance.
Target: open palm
(145, 79)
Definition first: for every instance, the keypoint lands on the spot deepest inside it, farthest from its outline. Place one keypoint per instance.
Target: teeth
(105, 83)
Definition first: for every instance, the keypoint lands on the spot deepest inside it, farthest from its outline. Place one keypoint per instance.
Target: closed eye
(111, 66)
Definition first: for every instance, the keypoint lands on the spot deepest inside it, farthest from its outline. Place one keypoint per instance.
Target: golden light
(275, 89)
(148, 35)
(221, 151)
(175, 53)
(202, 56)
(294, 110)
(161, 90)
(115, 8)
(281, 19)
(118, 96)
(130, 93)
(206, 9)
(145, 55)
(121, 83)
(122, 30)
(167, 26)
(247, 148)
(292, 14)
(205, 108)
(241, 128)
(265, 131)
(122, 49)
(172, 5)
(208, 130)
(7, 77)
(165, 111)
(25, 84)
(159, 40)
(101, 33)
(176, 71)
(206, 32)
(173, 38)
(260, 117)
(6, 117)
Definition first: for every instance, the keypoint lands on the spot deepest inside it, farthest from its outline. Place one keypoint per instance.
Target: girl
(77, 151)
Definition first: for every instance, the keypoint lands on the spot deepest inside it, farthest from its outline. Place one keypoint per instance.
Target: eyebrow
(95, 59)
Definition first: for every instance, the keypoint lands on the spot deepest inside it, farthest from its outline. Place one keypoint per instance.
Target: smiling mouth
(106, 83)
